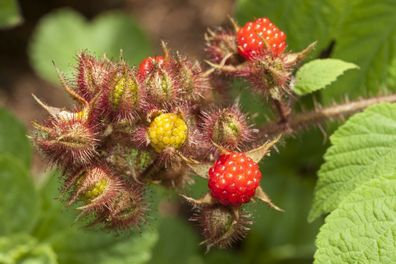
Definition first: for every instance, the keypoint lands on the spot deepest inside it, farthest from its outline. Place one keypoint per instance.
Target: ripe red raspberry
(252, 36)
(233, 179)
(147, 65)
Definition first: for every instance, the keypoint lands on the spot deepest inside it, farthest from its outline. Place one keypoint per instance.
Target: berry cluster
(161, 123)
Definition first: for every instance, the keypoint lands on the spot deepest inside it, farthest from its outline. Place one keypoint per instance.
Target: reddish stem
(298, 121)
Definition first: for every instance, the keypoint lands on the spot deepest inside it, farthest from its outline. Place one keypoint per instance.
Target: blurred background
(36, 228)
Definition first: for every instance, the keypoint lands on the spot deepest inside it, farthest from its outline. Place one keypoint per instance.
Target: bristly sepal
(67, 141)
(221, 225)
(263, 197)
(221, 46)
(227, 127)
(126, 211)
(92, 188)
(194, 84)
(105, 200)
(257, 154)
(92, 75)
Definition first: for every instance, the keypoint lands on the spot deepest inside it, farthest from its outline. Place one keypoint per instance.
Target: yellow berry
(167, 131)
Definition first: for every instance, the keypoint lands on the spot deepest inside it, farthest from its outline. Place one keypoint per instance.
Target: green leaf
(19, 203)
(76, 244)
(392, 75)
(318, 74)
(367, 38)
(363, 148)
(216, 256)
(24, 249)
(9, 13)
(13, 138)
(134, 248)
(60, 35)
(362, 229)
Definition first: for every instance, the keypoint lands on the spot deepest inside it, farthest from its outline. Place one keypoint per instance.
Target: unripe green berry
(124, 87)
(96, 189)
(220, 225)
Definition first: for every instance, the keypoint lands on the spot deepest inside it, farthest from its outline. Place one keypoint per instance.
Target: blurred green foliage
(9, 13)
(62, 34)
(13, 140)
(19, 203)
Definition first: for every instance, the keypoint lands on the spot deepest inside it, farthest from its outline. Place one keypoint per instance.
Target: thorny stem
(229, 69)
(283, 110)
(219, 66)
(305, 119)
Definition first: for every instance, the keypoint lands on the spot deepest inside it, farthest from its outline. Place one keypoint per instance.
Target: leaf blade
(9, 14)
(362, 228)
(19, 202)
(13, 140)
(22, 248)
(367, 38)
(363, 148)
(60, 35)
(318, 74)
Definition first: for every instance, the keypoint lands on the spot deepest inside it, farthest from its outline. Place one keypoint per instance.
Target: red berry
(147, 65)
(233, 179)
(259, 38)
